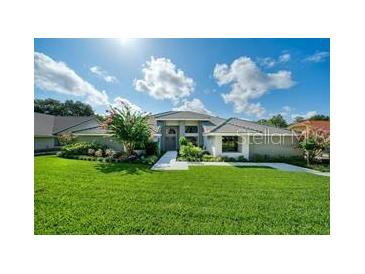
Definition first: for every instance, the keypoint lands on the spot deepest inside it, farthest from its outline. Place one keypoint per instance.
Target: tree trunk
(308, 162)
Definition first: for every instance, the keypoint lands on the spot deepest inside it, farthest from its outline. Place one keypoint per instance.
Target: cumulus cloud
(270, 62)
(247, 83)
(103, 74)
(194, 105)
(289, 114)
(56, 76)
(317, 57)
(162, 80)
(306, 115)
(120, 102)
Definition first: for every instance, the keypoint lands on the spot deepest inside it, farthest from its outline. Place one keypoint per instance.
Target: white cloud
(103, 74)
(120, 102)
(306, 115)
(248, 83)
(56, 76)
(284, 58)
(194, 105)
(317, 57)
(289, 114)
(162, 80)
(269, 62)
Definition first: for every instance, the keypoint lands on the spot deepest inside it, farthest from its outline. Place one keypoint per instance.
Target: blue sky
(247, 78)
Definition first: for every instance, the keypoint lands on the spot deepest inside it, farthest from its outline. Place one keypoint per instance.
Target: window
(191, 129)
(170, 131)
(229, 143)
(192, 139)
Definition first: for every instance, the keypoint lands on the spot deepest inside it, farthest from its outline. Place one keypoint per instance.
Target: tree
(274, 121)
(67, 108)
(128, 127)
(320, 117)
(278, 121)
(314, 143)
(298, 119)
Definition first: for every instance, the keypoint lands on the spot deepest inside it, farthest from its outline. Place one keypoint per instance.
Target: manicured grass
(81, 197)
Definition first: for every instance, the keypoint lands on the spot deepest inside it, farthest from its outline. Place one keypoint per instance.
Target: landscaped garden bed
(96, 152)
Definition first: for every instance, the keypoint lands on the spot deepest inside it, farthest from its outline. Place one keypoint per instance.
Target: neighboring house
(85, 128)
(310, 124)
(231, 137)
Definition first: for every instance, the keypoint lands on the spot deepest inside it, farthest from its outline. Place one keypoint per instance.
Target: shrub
(81, 148)
(229, 159)
(210, 158)
(241, 159)
(66, 138)
(183, 141)
(151, 148)
(149, 160)
(99, 153)
(109, 152)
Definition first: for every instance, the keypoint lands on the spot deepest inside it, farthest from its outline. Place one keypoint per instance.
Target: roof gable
(235, 125)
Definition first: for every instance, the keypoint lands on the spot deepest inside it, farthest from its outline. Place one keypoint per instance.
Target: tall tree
(320, 117)
(278, 121)
(67, 108)
(298, 119)
(274, 121)
(129, 127)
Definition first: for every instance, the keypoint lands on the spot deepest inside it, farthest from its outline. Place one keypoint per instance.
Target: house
(310, 124)
(231, 137)
(47, 128)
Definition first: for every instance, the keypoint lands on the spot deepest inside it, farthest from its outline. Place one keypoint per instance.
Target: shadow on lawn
(123, 168)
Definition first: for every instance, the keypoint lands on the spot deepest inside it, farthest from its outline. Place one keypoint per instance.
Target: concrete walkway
(168, 162)
(279, 166)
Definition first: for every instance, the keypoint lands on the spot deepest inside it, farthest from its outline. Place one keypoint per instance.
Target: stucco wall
(101, 140)
(44, 142)
(275, 146)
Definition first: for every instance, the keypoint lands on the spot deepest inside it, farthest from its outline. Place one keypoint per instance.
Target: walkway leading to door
(168, 162)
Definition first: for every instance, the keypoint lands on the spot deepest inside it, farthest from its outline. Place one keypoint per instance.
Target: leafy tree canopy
(274, 121)
(67, 108)
(320, 117)
(129, 127)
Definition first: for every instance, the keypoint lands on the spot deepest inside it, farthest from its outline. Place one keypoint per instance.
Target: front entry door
(171, 138)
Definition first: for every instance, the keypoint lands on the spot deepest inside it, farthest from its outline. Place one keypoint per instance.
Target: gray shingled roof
(43, 124)
(235, 125)
(63, 123)
(181, 115)
(48, 125)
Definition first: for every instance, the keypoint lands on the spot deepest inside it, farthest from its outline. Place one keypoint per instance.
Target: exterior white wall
(213, 144)
(44, 142)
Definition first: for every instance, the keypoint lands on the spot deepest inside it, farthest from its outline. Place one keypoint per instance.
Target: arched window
(171, 131)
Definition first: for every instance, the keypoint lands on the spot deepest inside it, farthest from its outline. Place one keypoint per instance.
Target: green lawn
(81, 197)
